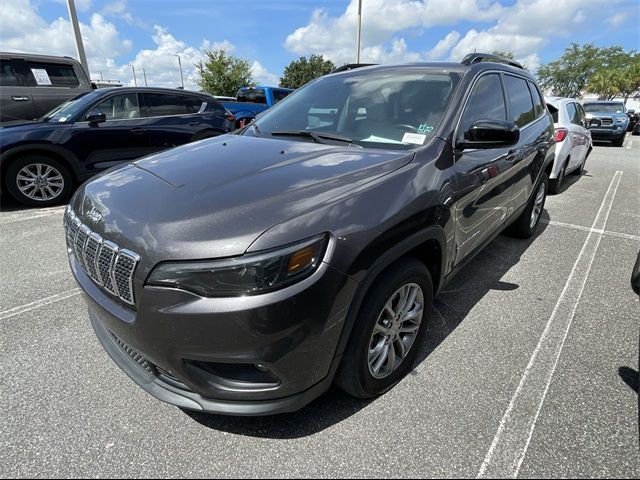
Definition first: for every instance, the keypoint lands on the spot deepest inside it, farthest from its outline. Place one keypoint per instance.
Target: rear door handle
(20, 99)
(138, 130)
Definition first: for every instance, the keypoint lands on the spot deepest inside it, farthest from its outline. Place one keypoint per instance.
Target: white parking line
(629, 143)
(39, 303)
(29, 215)
(587, 229)
(510, 444)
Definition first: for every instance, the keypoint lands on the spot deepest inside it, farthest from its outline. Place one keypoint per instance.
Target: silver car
(573, 139)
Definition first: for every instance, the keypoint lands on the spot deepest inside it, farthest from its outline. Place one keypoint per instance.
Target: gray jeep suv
(246, 274)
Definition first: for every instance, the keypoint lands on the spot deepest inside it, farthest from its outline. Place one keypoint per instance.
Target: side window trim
(527, 81)
(467, 96)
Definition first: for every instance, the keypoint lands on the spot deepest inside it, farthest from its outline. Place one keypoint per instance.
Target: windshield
(612, 107)
(66, 111)
(379, 109)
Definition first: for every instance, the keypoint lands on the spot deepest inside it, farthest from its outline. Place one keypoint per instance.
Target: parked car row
(251, 101)
(42, 161)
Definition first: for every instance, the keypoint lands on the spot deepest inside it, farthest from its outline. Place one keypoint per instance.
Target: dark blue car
(41, 162)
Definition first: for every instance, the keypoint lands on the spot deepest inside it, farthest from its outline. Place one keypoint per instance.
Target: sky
(271, 33)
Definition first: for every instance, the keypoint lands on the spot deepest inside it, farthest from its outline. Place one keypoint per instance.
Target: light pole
(144, 73)
(135, 80)
(73, 16)
(180, 65)
(359, 31)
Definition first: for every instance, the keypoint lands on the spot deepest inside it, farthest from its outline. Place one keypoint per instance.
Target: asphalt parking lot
(530, 369)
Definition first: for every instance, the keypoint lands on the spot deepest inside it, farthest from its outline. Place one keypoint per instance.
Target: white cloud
(262, 76)
(22, 29)
(444, 46)
(617, 19)
(334, 37)
(81, 5)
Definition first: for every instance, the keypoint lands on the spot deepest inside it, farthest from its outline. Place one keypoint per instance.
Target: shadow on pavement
(482, 275)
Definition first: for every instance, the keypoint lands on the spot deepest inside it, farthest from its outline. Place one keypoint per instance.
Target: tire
(525, 226)
(618, 142)
(556, 185)
(53, 175)
(356, 376)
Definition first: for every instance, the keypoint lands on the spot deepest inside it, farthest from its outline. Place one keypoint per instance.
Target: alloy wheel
(395, 330)
(537, 206)
(40, 182)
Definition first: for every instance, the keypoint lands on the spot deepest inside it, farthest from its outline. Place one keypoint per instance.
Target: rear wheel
(527, 223)
(38, 181)
(389, 330)
(556, 185)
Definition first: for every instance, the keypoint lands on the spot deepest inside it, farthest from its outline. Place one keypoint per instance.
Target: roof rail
(351, 66)
(472, 58)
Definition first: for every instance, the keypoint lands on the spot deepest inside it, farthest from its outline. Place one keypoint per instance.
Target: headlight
(622, 119)
(251, 274)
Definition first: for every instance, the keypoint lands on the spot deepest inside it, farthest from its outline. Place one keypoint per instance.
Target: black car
(42, 161)
(254, 285)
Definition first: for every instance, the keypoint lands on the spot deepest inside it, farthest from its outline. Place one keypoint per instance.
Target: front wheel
(389, 330)
(38, 181)
(527, 223)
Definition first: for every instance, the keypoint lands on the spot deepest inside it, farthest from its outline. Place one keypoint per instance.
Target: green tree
(302, 71)
(223, 74)
(569, 75)
(504, 54)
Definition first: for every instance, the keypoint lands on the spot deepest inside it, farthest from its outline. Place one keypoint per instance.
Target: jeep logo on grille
(94, 215)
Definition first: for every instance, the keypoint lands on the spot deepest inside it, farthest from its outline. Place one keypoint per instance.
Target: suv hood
(213, 198)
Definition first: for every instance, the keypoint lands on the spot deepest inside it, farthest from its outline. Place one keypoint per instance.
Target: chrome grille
(104, 262)
(606, 121)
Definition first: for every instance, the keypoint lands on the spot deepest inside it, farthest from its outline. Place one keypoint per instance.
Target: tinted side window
(554, 112)
(118, 107)
(520, 101)
(582, 115)
(486, 102)
(538, 104)
(279, 95)
(193, 104)
(575, 118)
(571, 111)
(53, 75)
(9, 75)
(165, 104)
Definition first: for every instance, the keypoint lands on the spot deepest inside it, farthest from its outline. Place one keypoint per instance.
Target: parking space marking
(39, 303)
(629, 143)
(510, 444)
(587, 229)
(30, 215)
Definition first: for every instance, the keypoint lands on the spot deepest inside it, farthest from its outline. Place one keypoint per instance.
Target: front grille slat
(103, 261)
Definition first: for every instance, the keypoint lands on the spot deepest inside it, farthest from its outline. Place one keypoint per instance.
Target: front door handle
(138, 130)
(20, 99)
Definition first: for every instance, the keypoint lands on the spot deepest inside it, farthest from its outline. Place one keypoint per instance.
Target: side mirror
(96, 118)
(491, 134)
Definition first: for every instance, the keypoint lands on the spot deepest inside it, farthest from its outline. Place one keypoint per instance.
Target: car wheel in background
(38, 181)
(556, 185)
(526, 224)
(389, 330)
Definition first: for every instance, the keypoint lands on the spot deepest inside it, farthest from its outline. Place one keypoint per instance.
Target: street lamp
(180, 65)
(135, 80)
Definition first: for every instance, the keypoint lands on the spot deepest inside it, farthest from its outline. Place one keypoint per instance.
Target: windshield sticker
(41, 76)
(424, 128)
(414, 138)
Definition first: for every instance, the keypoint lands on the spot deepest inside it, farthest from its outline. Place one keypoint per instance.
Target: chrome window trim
(114, 248)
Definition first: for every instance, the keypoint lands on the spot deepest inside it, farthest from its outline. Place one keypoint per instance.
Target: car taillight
(560, 134)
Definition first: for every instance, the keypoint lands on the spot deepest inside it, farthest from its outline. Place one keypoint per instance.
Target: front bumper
(608, 134)
(172, 345)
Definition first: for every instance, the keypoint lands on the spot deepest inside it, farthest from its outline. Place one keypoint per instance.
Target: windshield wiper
(316, 136)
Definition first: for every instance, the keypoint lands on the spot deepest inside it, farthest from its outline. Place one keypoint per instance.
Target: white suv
(573, 139)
